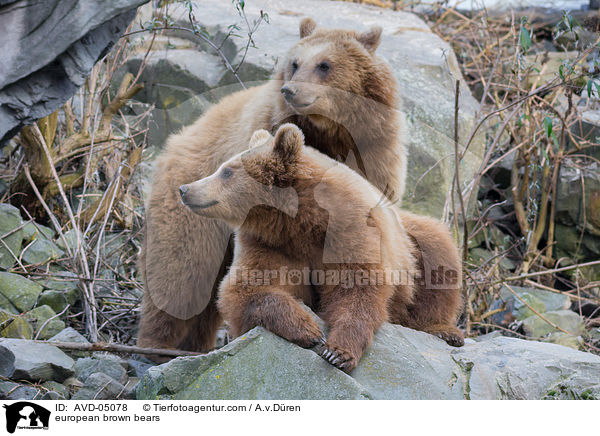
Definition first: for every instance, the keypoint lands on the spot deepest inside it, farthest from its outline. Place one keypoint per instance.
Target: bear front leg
(353, 315)
(246, 307)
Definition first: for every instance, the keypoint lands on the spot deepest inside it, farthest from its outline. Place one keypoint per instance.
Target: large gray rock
(20, 292)
(183, 76)
(10, 221)
(99, 386)
(35, 361)
(400, 364)
(84, 368)
(50, 49)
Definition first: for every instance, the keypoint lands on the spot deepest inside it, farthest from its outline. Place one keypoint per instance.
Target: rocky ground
(538, 331)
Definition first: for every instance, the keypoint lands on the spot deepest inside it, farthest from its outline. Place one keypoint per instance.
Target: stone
(579, 180)
(10, 219)
(536, 327)
(21, 292)
(71, 335)
(138, 368)
(16, 391)
(33, 230)
(565, 339)
(256, 365)
(99, 386)
(88, 366)
(14, 326)
(37, 81)
(183, 76)
(60, 391)
(36, 361)
(41, 318)
(477, 256)
(510, 368)
(41, 251)
(7, 362)
(515, 309)
(401, 363)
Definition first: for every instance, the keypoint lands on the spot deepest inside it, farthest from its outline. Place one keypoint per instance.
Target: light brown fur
(298, 209)
(353, 119)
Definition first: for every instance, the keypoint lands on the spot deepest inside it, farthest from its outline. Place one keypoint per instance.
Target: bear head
(330, 74)
(259, 178)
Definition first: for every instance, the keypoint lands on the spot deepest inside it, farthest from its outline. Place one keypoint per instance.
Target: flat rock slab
(35, 361)
(400, 364)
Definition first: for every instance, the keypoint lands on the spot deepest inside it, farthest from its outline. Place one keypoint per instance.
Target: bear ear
(289, 140)
(371, 38)
(307, 26)
(259, 137)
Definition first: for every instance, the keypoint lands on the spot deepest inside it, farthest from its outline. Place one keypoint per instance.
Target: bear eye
(324, 67)
(226, 173)
(294, 66)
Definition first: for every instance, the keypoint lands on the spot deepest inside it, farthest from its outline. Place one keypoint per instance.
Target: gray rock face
(99, 386)
(10, 221)
(183, 77)
(51, 48)
(400, 364)
(19, 291)
(84, 368)
(35, 361)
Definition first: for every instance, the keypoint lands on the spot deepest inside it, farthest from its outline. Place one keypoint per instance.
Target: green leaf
(548, 126)
(590, 83)
(524, 36)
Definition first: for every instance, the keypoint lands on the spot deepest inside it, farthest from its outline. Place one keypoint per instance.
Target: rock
(73, 385)
(138, 368)
(33, 230)
(19, 291)
(7, 362)
(407, 364)
(59, 294)
(14, 326)
(41, 251)
(56, 300)
(40, 318)
(255, 365)
(541, 300)
(183, 75)
(400, 364)
(69, 335)
(60, 391)
(130, 388)
(16, 391)
(477, 256)
(88, 366)
(64, 39)
(536, 327)
(510, 368)
(99, 386)
(565, 339)
(36, 361)
(578, 181)
(10, 219)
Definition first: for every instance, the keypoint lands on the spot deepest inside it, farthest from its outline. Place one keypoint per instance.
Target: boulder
(44, 322)
(35, 361)
(63, 41)
(536, 327)
(17, 391)
(400, 364)
(183, 76)
(71, 335)
(515, 309)
(10, 221)
(22, 293)
(14, 326)
(41, 251)
(99, 386)
(85, 367)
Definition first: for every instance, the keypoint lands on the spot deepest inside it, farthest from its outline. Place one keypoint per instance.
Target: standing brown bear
(342, 96)
(298, 210)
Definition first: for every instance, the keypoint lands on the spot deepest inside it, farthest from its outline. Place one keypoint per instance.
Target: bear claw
(338, 358)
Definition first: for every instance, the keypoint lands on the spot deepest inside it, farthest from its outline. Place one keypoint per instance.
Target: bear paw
(339, 358)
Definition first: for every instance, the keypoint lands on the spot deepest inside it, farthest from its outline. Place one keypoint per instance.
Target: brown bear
(333, 86)
(296, 209)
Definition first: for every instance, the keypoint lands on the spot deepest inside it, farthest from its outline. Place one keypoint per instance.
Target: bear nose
(288, 91)
(183, 189)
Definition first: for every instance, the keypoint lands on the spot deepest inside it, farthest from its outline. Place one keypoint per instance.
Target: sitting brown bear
(312, 229)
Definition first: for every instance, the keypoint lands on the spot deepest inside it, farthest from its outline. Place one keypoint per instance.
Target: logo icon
(26, 415)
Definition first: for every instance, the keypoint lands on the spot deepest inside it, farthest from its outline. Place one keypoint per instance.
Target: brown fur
(353, 120)
(297, 208)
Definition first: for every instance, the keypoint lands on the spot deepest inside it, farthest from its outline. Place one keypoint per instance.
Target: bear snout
(289, 91)
(183, 189)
